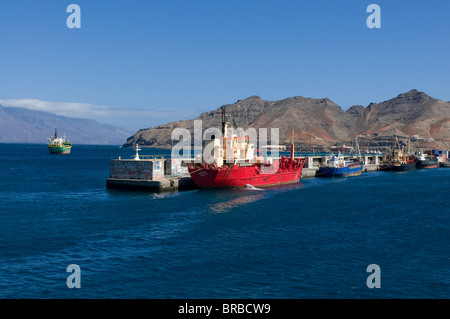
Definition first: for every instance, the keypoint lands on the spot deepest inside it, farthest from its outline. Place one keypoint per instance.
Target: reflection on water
(173, 194)
(251, 187)
(262, 193)
(224, 207)
(139, 194)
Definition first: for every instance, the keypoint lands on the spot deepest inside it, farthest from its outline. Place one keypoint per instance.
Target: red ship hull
(230, 175)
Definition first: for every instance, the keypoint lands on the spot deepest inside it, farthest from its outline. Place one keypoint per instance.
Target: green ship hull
(65, 149)
(58, 145)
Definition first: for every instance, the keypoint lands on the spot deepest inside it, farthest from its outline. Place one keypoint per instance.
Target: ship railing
(148, 157)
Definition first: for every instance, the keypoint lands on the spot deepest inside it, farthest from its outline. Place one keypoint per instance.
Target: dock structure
(313, 162)
(175, 183)
(159, 174)
(149, 173)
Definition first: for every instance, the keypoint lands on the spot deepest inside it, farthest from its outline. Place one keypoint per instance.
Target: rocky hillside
(321, 121)
(411, 113)
(308, 118)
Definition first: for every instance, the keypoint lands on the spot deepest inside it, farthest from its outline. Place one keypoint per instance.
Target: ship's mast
(224, 119)
(292, 148)
(396, 146)
(56, 133)
(357, 148)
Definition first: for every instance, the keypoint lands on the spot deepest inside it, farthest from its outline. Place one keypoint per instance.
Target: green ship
(58, 145)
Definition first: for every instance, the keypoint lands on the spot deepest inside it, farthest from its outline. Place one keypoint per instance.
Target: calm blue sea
(314, 239)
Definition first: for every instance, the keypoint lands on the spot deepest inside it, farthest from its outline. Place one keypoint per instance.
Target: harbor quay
(156, 174)
(160, 174)
(313, 162)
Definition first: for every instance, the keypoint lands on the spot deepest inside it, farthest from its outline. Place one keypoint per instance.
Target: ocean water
(314, 239)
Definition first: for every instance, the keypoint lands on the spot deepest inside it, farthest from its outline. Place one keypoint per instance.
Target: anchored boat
(58, 145)
(398, 160)
(337, 166)
(235, 164)
(446, 163)
(425, 162)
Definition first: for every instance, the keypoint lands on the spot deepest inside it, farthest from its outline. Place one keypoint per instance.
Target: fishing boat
(446, 163)
(424, 162)
(337, 166)
(398, 160)
(235, 164)
(59, 145)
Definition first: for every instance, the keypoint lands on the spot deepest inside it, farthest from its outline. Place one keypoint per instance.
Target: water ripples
(313, 239)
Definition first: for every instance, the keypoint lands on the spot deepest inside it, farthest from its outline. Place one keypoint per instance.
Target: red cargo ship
(240, 167)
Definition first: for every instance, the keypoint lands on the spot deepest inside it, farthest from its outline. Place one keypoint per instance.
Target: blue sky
(141, 63)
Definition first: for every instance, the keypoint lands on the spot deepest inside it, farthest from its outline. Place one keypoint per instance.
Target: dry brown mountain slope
(410, 113)
(307, 117)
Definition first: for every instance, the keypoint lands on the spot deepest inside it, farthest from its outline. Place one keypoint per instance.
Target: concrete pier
(163, 185)
(371, 167)
(161, 175)
(309, 172)
(151, 174)
(312, 172)
(313, 162)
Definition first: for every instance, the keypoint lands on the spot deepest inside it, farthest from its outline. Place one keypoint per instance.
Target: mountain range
(314, 122)
(322, 122)
(20, 125)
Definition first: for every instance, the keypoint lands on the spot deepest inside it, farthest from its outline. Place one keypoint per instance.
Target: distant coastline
(20, 125)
